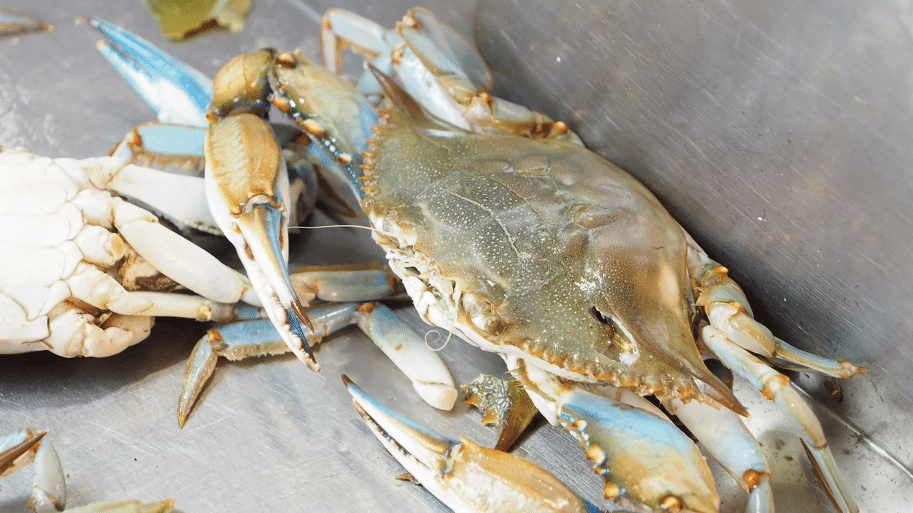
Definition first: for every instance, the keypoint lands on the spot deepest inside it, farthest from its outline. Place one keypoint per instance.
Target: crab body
(542, 249)
(84, 271)
(529, 245)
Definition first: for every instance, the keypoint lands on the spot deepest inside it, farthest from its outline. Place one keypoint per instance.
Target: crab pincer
(465, 476)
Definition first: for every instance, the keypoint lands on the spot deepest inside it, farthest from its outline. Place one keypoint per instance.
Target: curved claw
(622, 441)
(456, 472)
(640, 455)
(248, 193)
(16, 445)
(49, 491)
(176, 92)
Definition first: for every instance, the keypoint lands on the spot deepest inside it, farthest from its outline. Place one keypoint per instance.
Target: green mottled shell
(579, 263)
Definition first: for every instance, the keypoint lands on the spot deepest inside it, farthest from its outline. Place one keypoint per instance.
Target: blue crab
(524, 243)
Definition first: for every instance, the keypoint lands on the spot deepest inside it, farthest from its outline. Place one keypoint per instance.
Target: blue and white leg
(776, 387)
(729, 312)
(429, 376)
(725, 437)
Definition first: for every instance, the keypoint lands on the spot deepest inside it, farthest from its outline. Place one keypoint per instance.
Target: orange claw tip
(346, 381)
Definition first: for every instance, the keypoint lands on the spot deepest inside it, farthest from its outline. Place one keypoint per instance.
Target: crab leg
(341, 29)
(342, 283)
(776, 387)
(404, 347)
(622, 441)
(725, 436)
(23, 446)
(463, 475)
(728, 311)
(436, 66)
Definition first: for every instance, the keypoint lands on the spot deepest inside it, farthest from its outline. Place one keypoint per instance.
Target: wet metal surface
(654, 91)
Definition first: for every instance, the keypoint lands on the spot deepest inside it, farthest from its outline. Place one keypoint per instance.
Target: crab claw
(248, 193)
(622, 441)
(177, 92)
(463, 475)
(16, 445)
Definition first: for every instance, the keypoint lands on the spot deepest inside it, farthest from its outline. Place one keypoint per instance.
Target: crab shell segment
(465, 476)
(540, 249)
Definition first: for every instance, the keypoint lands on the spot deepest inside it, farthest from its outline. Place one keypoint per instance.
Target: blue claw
(463, 475)
(175, 91)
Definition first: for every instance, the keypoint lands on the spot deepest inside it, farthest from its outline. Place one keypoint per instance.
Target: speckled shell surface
(563, 254)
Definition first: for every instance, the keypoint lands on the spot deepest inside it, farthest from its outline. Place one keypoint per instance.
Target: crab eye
(606, 320)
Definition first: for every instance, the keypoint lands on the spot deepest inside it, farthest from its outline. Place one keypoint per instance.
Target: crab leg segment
(342, 29)
(776, 387)
(725, 436)
(406, 350)
(623, 441)
(176, 92)
(465, 476)
(729, 312)
(403, 346)
(346, 283)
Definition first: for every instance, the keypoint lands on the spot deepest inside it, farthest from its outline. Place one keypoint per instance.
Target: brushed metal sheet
(269, 434)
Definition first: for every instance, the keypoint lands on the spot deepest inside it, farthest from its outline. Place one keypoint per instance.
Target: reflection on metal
(183, 19)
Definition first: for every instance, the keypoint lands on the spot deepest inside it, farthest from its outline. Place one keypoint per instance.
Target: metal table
(702, 102)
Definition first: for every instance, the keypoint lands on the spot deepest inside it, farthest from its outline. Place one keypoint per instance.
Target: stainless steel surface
(826, 99)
